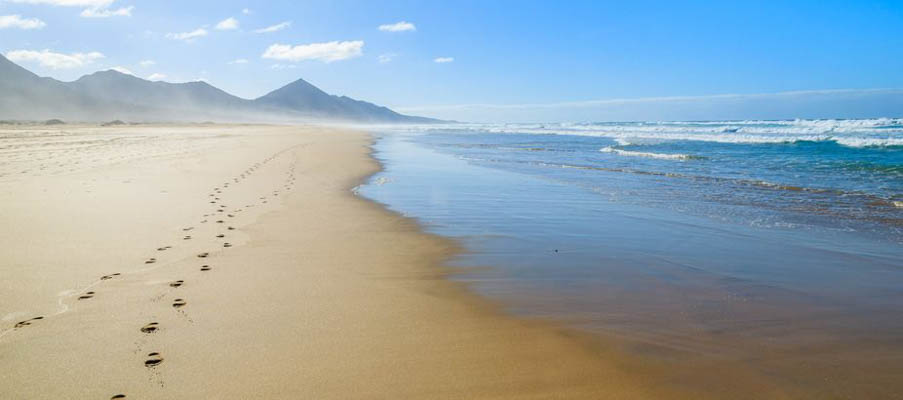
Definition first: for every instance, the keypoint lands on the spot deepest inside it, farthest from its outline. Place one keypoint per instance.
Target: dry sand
(320, 295)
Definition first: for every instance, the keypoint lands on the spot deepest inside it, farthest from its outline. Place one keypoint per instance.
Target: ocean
(777, 245)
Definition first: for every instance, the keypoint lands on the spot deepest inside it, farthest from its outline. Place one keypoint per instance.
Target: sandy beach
(231, 261)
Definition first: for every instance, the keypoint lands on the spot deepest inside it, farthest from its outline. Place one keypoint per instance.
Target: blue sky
(497, 53)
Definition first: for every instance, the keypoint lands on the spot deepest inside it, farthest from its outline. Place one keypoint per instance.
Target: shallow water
(786, 256)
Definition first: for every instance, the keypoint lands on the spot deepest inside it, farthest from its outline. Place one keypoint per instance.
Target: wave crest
(660, 156)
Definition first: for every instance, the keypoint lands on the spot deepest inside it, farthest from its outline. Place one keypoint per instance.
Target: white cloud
(123, 70)
(16, 21)
(239, 61)
(443, 60)
(398, 27)
(274, 28)
(147, 63)
(93, 8)
(227, 24)
(156, 76)
(106, 12)
(386, 58)
(49, 59)
(326, 52)
(245, 11)
(187, 36)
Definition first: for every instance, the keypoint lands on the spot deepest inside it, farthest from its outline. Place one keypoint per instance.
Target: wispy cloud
(386, 58)
(443, 60)
(274, 28)
(187, 36)
(845, 103)
(16, 21)
(156, 77)
(93, 8)
(49, 59)
(239, 61)
(402, 26)
(663, 99)
(326, 52)
(68, 3)
(282, 66)
(246, 11)
(147, 63)
(106, 12)
(227, 24)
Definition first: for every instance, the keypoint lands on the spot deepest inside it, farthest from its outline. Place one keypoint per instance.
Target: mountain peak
(108, 74)
(13, 70)
(297, 87)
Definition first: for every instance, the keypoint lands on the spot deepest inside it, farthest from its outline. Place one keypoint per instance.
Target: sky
(493, 60)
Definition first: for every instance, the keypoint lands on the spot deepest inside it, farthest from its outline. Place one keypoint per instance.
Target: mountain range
(108, 95)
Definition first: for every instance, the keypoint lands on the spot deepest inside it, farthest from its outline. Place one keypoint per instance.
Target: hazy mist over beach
(451, 200)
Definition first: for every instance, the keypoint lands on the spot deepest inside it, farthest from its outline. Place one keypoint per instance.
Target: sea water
(725, 239)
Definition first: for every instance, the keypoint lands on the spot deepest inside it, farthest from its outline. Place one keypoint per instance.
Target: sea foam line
(660, 156)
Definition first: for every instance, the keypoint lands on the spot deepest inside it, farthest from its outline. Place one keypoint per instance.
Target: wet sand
(213, 261)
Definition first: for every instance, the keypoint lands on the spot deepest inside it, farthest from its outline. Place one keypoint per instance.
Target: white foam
(660, 156)
(381, 181)
(851, 133)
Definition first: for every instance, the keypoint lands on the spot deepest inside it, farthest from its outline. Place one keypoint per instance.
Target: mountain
(305, 98)
(24, 95)
(107, 95)
(128, 89)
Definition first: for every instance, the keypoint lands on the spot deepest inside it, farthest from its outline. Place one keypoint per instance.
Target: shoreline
(328, 295)
(652, 284)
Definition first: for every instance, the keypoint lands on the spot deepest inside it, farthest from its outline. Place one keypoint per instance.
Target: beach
(234, 261)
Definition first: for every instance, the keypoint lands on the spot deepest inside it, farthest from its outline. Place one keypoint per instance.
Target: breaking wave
(660, 156)
(877, 132)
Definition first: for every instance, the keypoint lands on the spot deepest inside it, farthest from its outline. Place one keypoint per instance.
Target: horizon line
(635, 100)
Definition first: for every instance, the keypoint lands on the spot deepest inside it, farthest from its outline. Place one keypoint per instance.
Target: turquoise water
(713, 239)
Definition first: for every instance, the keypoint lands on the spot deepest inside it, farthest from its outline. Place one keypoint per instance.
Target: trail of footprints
(155, 359)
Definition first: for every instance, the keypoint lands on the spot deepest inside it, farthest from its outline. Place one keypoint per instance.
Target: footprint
(154, 359)
(86, 296)
(176, 283)
(227, 244)
(187, 237)
(27, 322)
(205, 268)
(188, 228)
(220, 235)
(179, 303)
(203, 255)
(150, 260)
(150, 328)
(231, 228)
(118, 396)
(110, 276)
